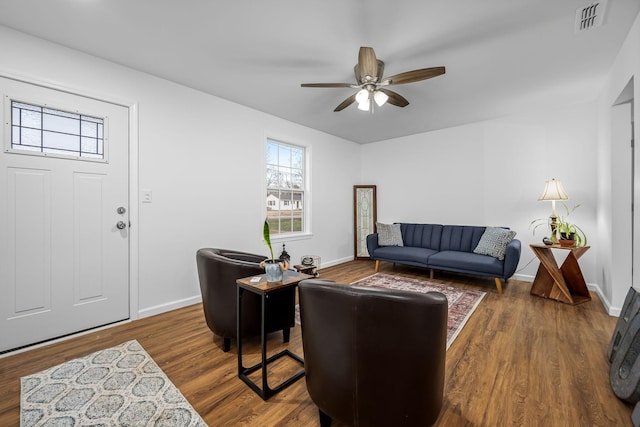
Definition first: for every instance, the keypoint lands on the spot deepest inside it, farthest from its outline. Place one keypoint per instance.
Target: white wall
(203, 159)
(614, 221)
(492, 173)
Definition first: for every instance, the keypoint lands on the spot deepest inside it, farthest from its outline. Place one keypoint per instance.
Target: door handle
(121, 225)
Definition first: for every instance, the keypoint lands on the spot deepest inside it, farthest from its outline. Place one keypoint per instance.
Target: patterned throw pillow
(389, 234)
(494, 242)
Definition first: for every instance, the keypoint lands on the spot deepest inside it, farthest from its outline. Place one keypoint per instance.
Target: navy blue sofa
(446, 248)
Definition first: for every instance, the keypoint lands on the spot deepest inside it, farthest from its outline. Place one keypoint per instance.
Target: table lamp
(553, 191)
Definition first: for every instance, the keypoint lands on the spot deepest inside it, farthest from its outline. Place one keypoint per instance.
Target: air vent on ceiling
(590, 16)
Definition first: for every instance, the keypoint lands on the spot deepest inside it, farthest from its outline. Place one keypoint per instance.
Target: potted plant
(566, 233)
(570, 234)
(273, 267)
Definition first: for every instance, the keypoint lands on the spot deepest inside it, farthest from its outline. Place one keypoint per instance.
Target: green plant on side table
(566, 233)
(273, 267)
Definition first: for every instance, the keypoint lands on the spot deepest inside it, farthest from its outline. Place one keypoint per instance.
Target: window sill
(284, 238)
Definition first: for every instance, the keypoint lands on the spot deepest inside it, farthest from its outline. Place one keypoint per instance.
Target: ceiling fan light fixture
(369, 79)
(380, 98)
(362, 96)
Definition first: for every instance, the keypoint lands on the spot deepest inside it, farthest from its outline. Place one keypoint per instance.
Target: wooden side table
(263, 288)
(565, 284)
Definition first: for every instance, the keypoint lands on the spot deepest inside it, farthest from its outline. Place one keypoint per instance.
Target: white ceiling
(501, 56)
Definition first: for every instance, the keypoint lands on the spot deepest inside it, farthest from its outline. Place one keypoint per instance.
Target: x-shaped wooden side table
(565, 284)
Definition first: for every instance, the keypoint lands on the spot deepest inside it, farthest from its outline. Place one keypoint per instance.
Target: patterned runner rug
(462, 302)
(119, 386)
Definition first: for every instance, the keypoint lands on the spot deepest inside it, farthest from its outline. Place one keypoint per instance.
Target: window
(285, 187)
(43, 130)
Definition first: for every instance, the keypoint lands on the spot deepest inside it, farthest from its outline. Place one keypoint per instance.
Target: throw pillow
(389, 234)
(494, 242)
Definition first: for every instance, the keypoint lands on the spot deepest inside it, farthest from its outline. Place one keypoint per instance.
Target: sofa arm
(372, 243)
(512, 258)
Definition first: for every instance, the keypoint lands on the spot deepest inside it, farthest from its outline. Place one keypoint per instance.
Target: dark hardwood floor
(520, 361)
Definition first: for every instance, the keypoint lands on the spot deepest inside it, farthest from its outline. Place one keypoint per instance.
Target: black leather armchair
(218, 270)
(373, 356)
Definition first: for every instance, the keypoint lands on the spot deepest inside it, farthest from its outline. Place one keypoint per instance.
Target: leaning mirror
(364, 218)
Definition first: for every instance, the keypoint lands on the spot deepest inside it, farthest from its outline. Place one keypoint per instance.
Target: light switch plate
(147, 196)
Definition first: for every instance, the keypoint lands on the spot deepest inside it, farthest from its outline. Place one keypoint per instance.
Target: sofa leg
(226, 344)
(377, 265)
(431, 273)
(499, 284)
(286, 333)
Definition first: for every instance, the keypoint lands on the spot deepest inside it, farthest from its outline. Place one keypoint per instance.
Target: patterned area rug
(462, 302)
(119, 386)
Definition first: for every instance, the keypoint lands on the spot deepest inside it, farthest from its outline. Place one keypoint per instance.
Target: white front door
(64, 239)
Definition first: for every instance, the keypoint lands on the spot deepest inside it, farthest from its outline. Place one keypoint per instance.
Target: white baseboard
(523, 277)
(335, 262)
(172, 305)
(613, 311)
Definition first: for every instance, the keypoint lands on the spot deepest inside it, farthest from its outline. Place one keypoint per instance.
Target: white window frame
(306, 232)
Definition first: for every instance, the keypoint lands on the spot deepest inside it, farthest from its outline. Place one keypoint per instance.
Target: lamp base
(553, 224)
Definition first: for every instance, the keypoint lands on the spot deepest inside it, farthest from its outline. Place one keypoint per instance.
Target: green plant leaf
(537, 223)
(564, 225)
(266, 235)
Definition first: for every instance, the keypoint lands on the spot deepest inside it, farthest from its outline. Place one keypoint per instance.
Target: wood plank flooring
(520, 361)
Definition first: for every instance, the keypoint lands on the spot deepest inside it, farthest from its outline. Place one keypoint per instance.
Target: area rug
(462, 302)
(119, 386)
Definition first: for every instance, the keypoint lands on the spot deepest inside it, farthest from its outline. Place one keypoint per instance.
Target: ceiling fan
(369, 79)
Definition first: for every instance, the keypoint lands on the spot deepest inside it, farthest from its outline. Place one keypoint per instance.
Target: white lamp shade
(553, 191)
(364, 106)
(362, 96)
(380, 98)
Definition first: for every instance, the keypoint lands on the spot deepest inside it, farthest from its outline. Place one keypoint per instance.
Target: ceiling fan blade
(328, 85)
(394, 98)
(350, 100)
(367, 65)
(414, 76)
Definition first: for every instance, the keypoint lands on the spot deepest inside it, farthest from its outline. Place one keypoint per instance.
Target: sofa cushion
(463, 238)
(389, 234)
(404, 254)
(466, 261)
(422, 235)
(494, 242)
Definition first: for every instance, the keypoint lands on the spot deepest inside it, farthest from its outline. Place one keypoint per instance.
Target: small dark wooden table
(264, 289)
(565, 284)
